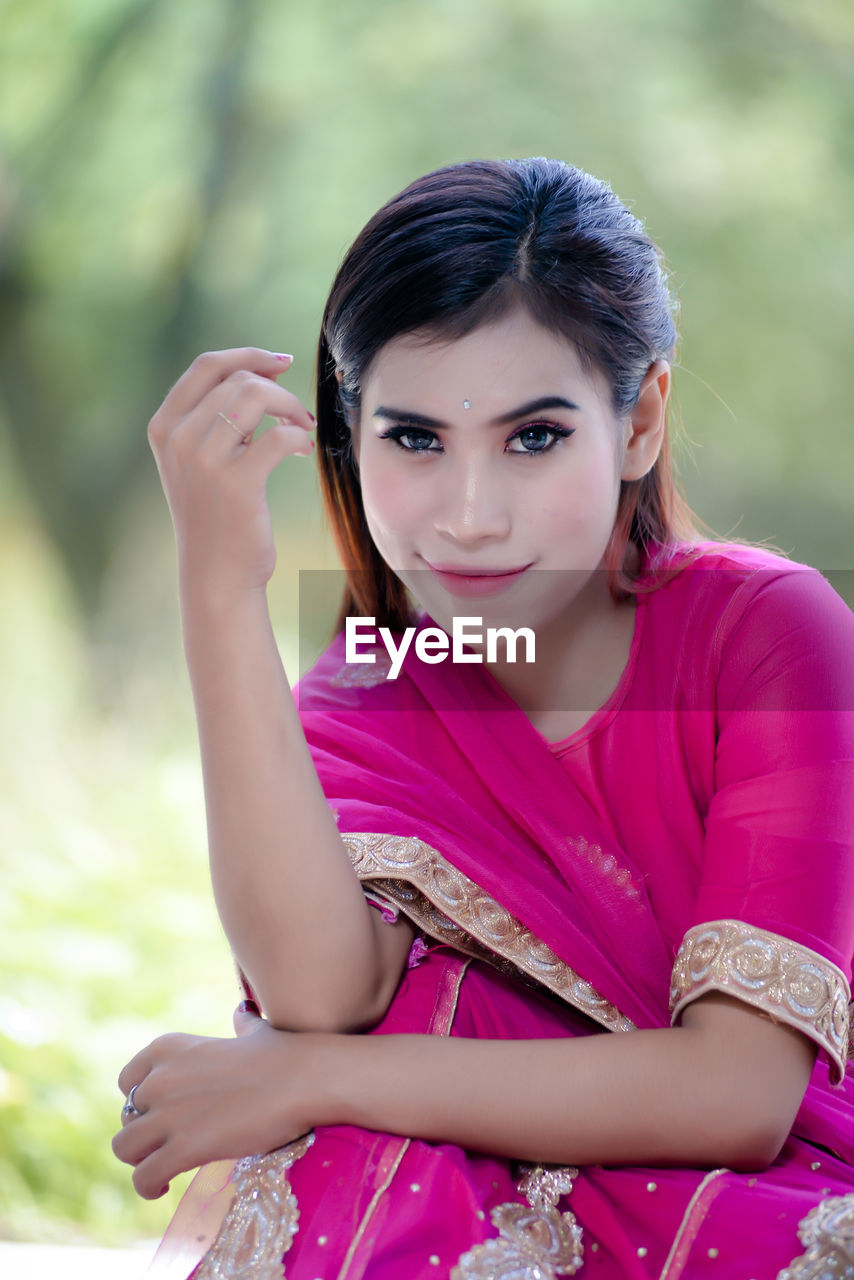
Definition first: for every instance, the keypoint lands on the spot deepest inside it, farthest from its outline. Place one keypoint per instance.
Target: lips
(463, 571)
(470, 583)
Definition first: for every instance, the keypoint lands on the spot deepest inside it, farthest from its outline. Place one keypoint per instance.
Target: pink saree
(697, 834)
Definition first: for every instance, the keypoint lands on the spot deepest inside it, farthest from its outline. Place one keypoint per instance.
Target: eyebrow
(524, 411)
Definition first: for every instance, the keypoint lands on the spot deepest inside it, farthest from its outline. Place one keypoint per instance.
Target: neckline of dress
(603, 715)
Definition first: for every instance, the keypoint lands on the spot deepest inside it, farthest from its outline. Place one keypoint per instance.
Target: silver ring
(130, 1108)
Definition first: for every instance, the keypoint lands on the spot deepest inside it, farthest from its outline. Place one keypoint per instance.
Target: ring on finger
(130, 1109)
(233, 424)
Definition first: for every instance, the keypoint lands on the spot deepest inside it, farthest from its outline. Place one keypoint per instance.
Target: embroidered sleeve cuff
(789, 982)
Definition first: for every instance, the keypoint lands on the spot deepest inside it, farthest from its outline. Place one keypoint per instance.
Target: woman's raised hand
(214, 472)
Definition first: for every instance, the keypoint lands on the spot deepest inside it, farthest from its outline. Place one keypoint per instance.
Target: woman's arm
(317, 956)
(723, 1089)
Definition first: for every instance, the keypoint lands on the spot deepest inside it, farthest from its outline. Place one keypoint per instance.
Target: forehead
(509, 361)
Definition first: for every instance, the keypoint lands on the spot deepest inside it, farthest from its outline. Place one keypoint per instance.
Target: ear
(646, 423)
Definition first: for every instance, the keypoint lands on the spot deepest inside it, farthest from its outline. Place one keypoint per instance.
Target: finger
(227, 419)
(132, 1110)
(213, 367)
(135, 1141)
(146, 1180)
(135, 1071)
(127, 1116)
(247, 1018)
(152, 1176)
(247, 398)
(269, 449)
(144, 1062)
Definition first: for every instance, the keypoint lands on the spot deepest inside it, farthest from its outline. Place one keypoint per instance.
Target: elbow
(754, 1074)
(750, 1153)
(343, 1012)
(754, 1122)
(759, 1145)
(347, 1022)
(741, 1142)
(347, 991)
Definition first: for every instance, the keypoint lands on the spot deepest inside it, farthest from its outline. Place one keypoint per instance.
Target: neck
(581, 656)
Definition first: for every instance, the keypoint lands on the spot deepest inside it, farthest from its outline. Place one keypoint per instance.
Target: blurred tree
(82, 491)
(181, 176)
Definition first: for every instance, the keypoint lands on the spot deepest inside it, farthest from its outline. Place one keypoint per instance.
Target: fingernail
(311, 415)
(305, 453)
(284, 358)
(248, 1006)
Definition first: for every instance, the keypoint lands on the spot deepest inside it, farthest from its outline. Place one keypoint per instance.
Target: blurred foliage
(109, 935)
(187, 174)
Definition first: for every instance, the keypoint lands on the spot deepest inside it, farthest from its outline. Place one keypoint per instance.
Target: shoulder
(737, 559)
(759, 619)
(729, 580)
(729, 613)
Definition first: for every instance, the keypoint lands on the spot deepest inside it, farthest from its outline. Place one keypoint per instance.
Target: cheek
(583, 511)
(578, 499)
(388, 511)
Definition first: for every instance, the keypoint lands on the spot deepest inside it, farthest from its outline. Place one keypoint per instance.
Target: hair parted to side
(461, 247)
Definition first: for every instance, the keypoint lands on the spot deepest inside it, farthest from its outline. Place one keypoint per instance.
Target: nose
(473, 506)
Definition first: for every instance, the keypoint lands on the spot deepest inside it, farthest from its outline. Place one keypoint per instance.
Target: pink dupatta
(490, 830)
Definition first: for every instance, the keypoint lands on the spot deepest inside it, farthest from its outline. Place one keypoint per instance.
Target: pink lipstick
(474, 583)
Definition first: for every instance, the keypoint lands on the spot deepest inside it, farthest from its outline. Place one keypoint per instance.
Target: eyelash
(557, 432)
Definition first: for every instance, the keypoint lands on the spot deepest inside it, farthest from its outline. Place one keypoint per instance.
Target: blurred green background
(178, 175)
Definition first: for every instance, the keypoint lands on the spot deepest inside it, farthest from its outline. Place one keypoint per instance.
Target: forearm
(287, 895)
(722, 1090)
(658, 1097)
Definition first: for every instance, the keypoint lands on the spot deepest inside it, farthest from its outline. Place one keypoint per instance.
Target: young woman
(553, 955)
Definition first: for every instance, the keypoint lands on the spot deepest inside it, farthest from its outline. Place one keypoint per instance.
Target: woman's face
(494, 452)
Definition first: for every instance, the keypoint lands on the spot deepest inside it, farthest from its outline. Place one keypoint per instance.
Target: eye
(542, 436)
(535, 437)
(419, 437)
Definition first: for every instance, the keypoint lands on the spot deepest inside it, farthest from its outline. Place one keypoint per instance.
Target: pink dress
(697, 834)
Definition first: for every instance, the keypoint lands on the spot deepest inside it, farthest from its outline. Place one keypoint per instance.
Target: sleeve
(774, 917)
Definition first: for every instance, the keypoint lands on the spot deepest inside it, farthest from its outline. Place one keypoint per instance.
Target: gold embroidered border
(363, 675)
(455, 910)
(692, 1220)
(263, 1218)
(535, 1241)
(440, 1025)
(789, 982)
(405, 1143)
(828, 1233)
